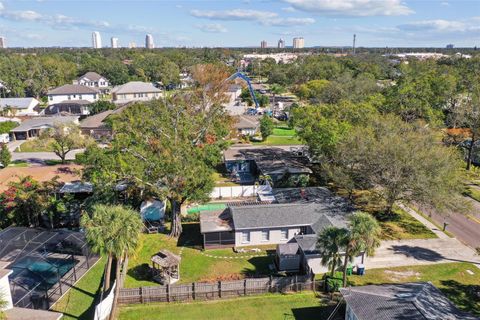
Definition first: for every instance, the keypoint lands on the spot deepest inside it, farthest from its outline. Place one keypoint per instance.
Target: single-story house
(20, 106)
(93, 80)
(97, 127)
(276, 162)
(71, 99)
(135, 91)
(247, 125)
(405, 301)
(34, 127)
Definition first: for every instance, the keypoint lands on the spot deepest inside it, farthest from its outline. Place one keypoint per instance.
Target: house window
(80, 97)
(265, 235)
(303, 230)
(283, 234)
(94, 96)
(51, 98)
(245, 237)
(69, 98)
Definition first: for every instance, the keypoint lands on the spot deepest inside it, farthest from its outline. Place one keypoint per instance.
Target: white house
(135, 91)
(93, 80)
(71, 99)
(20, 106)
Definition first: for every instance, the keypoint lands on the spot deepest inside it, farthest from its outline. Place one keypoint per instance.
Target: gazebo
(165, 267)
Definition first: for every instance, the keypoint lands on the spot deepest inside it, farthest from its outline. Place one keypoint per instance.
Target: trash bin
(360, 269)
(349, 270)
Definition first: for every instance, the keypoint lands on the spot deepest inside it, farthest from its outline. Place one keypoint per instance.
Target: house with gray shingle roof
(135, 91)
(406, 301)
(72, 99)
(35, 126)
(292, 223)
(93, 80)
(20, 106)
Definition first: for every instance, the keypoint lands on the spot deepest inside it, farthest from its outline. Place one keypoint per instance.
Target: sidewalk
(440, 234)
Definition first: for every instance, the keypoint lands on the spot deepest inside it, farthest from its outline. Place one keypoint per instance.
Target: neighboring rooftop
(407, 301)
(271, 160)
(214, 221)
(135, 87)
(92, 76)
(72, 89)
(76, 187)
(98, 120)
(246, 122)
(43, 123)
(17, 103)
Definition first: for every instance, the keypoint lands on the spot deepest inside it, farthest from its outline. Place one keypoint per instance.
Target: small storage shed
(287, 257)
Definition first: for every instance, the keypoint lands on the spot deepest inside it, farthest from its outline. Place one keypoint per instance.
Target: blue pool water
(31, 272)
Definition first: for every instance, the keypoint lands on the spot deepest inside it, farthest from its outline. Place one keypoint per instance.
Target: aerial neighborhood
(237, 181)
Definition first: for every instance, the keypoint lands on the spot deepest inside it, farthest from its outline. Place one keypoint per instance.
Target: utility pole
(354, 39)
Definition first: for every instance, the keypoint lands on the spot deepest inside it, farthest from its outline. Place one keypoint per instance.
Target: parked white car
(4, 138)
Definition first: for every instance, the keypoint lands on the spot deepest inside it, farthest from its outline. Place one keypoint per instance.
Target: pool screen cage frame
(21, 247)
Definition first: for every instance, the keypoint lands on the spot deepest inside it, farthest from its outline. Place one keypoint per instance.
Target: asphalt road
(40, 157)
(465, 227)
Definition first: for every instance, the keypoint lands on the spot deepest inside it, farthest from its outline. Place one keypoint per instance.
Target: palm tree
(363, 236)
(330, 243)
(113, 231)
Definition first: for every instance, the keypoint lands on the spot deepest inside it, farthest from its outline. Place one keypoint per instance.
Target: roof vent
(404, 295)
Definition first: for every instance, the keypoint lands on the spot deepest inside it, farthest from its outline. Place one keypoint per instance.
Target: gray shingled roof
(246, 122)
(407, 301)
(43, 122)
(93, 76)
(72, 89)
(16, 103)
(76, 187)
(135, 87)
(308, 242)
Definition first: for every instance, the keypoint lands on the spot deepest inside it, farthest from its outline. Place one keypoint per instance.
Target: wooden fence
(217, 290)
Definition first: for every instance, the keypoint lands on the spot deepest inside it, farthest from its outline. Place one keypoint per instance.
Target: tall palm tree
(363, 236)
(113, 231)
(330, 243)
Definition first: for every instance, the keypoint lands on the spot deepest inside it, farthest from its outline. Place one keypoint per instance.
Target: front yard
(281, 136)
(301, 306)
(196, 265)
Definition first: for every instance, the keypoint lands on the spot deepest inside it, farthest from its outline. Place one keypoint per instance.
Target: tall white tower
(149, 42)
(281, 44)
(298, 43)
(114, 42)
(3, 43)
(96, 40)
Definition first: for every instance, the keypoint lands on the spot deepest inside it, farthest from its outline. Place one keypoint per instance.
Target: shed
(166, 267)
(287, 257)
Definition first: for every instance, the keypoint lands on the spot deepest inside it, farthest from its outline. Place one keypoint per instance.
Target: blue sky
(392, 23)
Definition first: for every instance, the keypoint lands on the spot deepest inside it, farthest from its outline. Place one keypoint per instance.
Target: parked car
(251, 111)
(4, 138)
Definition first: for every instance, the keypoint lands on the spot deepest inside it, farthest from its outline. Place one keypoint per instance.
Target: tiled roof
(407, 301)
(72, 89)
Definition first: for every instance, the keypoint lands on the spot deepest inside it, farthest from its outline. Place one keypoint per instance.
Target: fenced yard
(218, 290)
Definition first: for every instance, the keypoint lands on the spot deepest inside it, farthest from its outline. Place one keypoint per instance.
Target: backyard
(301, 306)
(281, 136)
(79, 302)
(196, 265)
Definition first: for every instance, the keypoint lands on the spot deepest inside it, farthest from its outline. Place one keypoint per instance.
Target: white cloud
(289, 9)
(445, 4)
(442, 26)
(212, 28)
(263, 17)
(235, 14)
(360, 8)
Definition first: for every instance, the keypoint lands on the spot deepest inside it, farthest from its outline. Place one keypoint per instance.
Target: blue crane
(247, 80)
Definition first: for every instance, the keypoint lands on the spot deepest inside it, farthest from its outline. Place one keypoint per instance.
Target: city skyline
(392, 23)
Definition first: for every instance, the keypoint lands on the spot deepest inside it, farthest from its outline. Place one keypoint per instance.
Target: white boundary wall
(239, 191)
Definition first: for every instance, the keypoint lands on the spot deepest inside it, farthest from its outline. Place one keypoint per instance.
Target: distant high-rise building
(263, 44)
(281, 44)
(149, 42)
(132, 45)
(450, 46)
(298, 43)
(114, 42)
(3, 43)
(96, 40)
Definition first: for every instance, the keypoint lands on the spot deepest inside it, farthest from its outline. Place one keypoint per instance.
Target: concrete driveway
(13, 145)
(401, 253)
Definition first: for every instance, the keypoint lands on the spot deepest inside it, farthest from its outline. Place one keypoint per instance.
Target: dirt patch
(402, 275)
(66, 173)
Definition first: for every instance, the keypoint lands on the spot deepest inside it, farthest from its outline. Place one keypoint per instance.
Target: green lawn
(279, 141)
(36, 145)
(300, 306)
(473, 193)
(400, 225)
(223, 181)
(195, 266)
(283, 131)
(452, 278)
(19, 164)
(79, 302)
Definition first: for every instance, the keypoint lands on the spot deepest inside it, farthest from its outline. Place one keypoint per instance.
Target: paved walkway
(425, 222)
(400, 253)
(13, 145)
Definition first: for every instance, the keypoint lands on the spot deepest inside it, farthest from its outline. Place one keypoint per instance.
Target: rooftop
(215, 221)
(166, 259)
(43, 122)
(246, 122)
(92, 76)
(135, 87)
(17, 103)
(72, 89)
(407, 301)
(76, 187)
